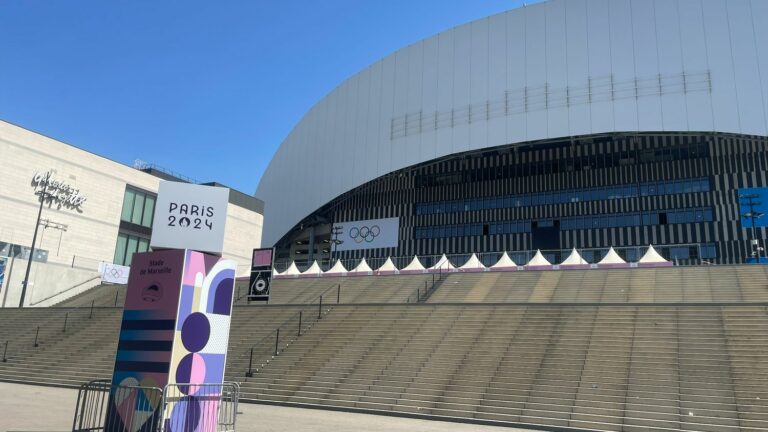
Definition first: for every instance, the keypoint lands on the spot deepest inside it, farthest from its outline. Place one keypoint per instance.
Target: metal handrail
(284, 324)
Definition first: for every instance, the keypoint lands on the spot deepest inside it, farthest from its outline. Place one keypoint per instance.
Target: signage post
(176, 319)
(261, 274)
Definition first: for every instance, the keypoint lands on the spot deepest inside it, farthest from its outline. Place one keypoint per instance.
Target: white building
(103, 213)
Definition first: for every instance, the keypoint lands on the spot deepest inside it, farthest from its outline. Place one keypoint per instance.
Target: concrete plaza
(35, 408)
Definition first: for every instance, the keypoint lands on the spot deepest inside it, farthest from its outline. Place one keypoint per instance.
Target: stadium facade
(579, 123)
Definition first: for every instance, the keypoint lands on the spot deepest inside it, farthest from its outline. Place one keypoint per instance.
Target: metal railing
(200, 407)
(266, 348)
(103, 406)
(555, 256)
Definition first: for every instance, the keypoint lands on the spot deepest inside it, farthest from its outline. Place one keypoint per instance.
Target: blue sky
(206, 88)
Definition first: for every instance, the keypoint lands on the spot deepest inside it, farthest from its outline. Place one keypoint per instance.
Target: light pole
(43, 193)
(335, 231)
(753, 216)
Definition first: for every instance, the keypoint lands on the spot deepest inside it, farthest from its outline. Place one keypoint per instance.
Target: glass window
(127, 205)
(138, 209)
(149, 212)
(133, 243)
(143, 245)
(122, 239)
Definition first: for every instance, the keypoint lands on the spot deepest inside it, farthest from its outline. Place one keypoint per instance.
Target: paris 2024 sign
(189, 216)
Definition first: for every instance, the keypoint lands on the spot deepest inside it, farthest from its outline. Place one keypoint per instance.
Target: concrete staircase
(621, 350)
(710, 284)
(597, 367)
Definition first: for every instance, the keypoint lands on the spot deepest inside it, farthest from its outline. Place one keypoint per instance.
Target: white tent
(538, 260)
(363, 267)
(414, 267)
(611, 258)
(292, 270)
(652, 257)
(574, 259)
(313, 270)
(443, 264)
(504, 262)
(473, 264)
(337, 268)
(387, 267)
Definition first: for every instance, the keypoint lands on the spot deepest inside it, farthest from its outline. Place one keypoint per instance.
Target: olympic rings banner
(368, 234)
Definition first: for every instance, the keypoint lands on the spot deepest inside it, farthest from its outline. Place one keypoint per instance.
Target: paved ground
(32, 408)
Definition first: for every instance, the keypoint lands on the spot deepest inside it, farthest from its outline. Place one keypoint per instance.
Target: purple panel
(222, 303)
(195, 332)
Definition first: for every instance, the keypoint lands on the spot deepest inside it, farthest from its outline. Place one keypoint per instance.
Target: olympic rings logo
(364, 233)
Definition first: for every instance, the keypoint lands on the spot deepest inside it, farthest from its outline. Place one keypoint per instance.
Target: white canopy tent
(387, 267)
(505, 262)
(473, 264)
(362, 267)
(313, 270)
(574, 259)
(652, 257)
(443, 264)
(337, 268)
(538, 260)
(611, 258)
(414, 266)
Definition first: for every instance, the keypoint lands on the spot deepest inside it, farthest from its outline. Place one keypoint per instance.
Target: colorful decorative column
(175, 330)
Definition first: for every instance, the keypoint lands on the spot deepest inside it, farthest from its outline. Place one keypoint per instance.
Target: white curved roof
(550, 70)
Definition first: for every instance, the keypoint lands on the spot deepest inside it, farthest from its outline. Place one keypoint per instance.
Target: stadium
(567, 124)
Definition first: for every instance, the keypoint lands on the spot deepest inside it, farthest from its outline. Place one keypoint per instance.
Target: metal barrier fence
(200, 407)
(102, 406)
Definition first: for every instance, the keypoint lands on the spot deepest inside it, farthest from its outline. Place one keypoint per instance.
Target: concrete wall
(556, 69)
(49, 284)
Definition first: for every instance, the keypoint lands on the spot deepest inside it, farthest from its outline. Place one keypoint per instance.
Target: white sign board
(113, 273)
(368, 234)
(189, 216)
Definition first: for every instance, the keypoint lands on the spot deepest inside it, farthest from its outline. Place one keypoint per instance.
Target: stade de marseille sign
(57, 191)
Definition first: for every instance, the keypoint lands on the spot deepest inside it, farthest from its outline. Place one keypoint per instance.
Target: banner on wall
(367, 234)
(261, 274)
(753, 200)
(113, 273)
